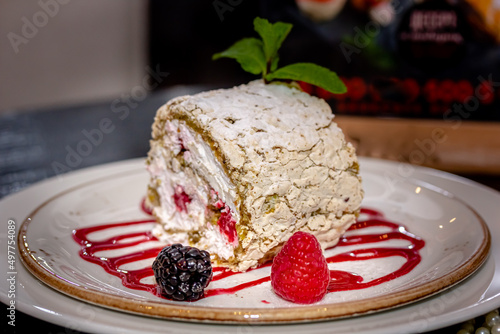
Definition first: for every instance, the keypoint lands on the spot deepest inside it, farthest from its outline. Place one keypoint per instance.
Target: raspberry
(181, 199)
(226, 224)
(182, 272)
(299, 272)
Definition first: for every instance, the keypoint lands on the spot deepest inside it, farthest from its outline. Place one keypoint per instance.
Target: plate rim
(308, 313)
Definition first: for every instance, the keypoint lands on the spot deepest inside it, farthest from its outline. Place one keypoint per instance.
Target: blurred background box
(66, 52)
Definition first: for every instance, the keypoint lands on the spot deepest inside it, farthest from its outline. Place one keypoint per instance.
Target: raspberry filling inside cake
(192, 192)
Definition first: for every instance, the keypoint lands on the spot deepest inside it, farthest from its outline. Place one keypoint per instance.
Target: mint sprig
(260, 56)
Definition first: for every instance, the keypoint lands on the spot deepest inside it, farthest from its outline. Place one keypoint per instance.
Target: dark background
(184, 36)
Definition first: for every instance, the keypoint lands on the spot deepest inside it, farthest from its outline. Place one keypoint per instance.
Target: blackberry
(182, 272)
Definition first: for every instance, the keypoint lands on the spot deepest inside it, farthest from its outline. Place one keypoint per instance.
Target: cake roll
(237, 171)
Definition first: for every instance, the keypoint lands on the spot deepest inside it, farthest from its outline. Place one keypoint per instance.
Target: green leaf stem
(260, 57)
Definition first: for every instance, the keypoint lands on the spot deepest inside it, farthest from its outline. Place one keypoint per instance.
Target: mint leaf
(249, 53)
(260, 56)
(312, 74)
(273, 35)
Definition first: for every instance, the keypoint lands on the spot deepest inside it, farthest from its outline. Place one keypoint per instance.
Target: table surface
(36, 144)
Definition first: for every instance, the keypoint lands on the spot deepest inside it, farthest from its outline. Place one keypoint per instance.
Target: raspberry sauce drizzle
(130, 278)
(340, 280)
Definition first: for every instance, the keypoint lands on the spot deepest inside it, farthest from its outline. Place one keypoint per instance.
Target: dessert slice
(237, 171)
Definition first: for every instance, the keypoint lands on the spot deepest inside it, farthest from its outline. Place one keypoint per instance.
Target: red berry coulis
(340, 280)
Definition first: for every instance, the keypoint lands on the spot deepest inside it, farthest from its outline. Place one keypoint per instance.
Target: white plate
(456, 244)
(394, 178)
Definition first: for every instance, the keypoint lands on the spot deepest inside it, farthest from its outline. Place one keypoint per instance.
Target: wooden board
(457, 147)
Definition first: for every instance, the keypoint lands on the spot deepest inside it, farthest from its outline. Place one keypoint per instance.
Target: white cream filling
(203, 162)
(215, 244)
(202, 159)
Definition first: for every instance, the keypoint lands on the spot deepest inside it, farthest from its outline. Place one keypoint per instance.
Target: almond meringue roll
(237, 171)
